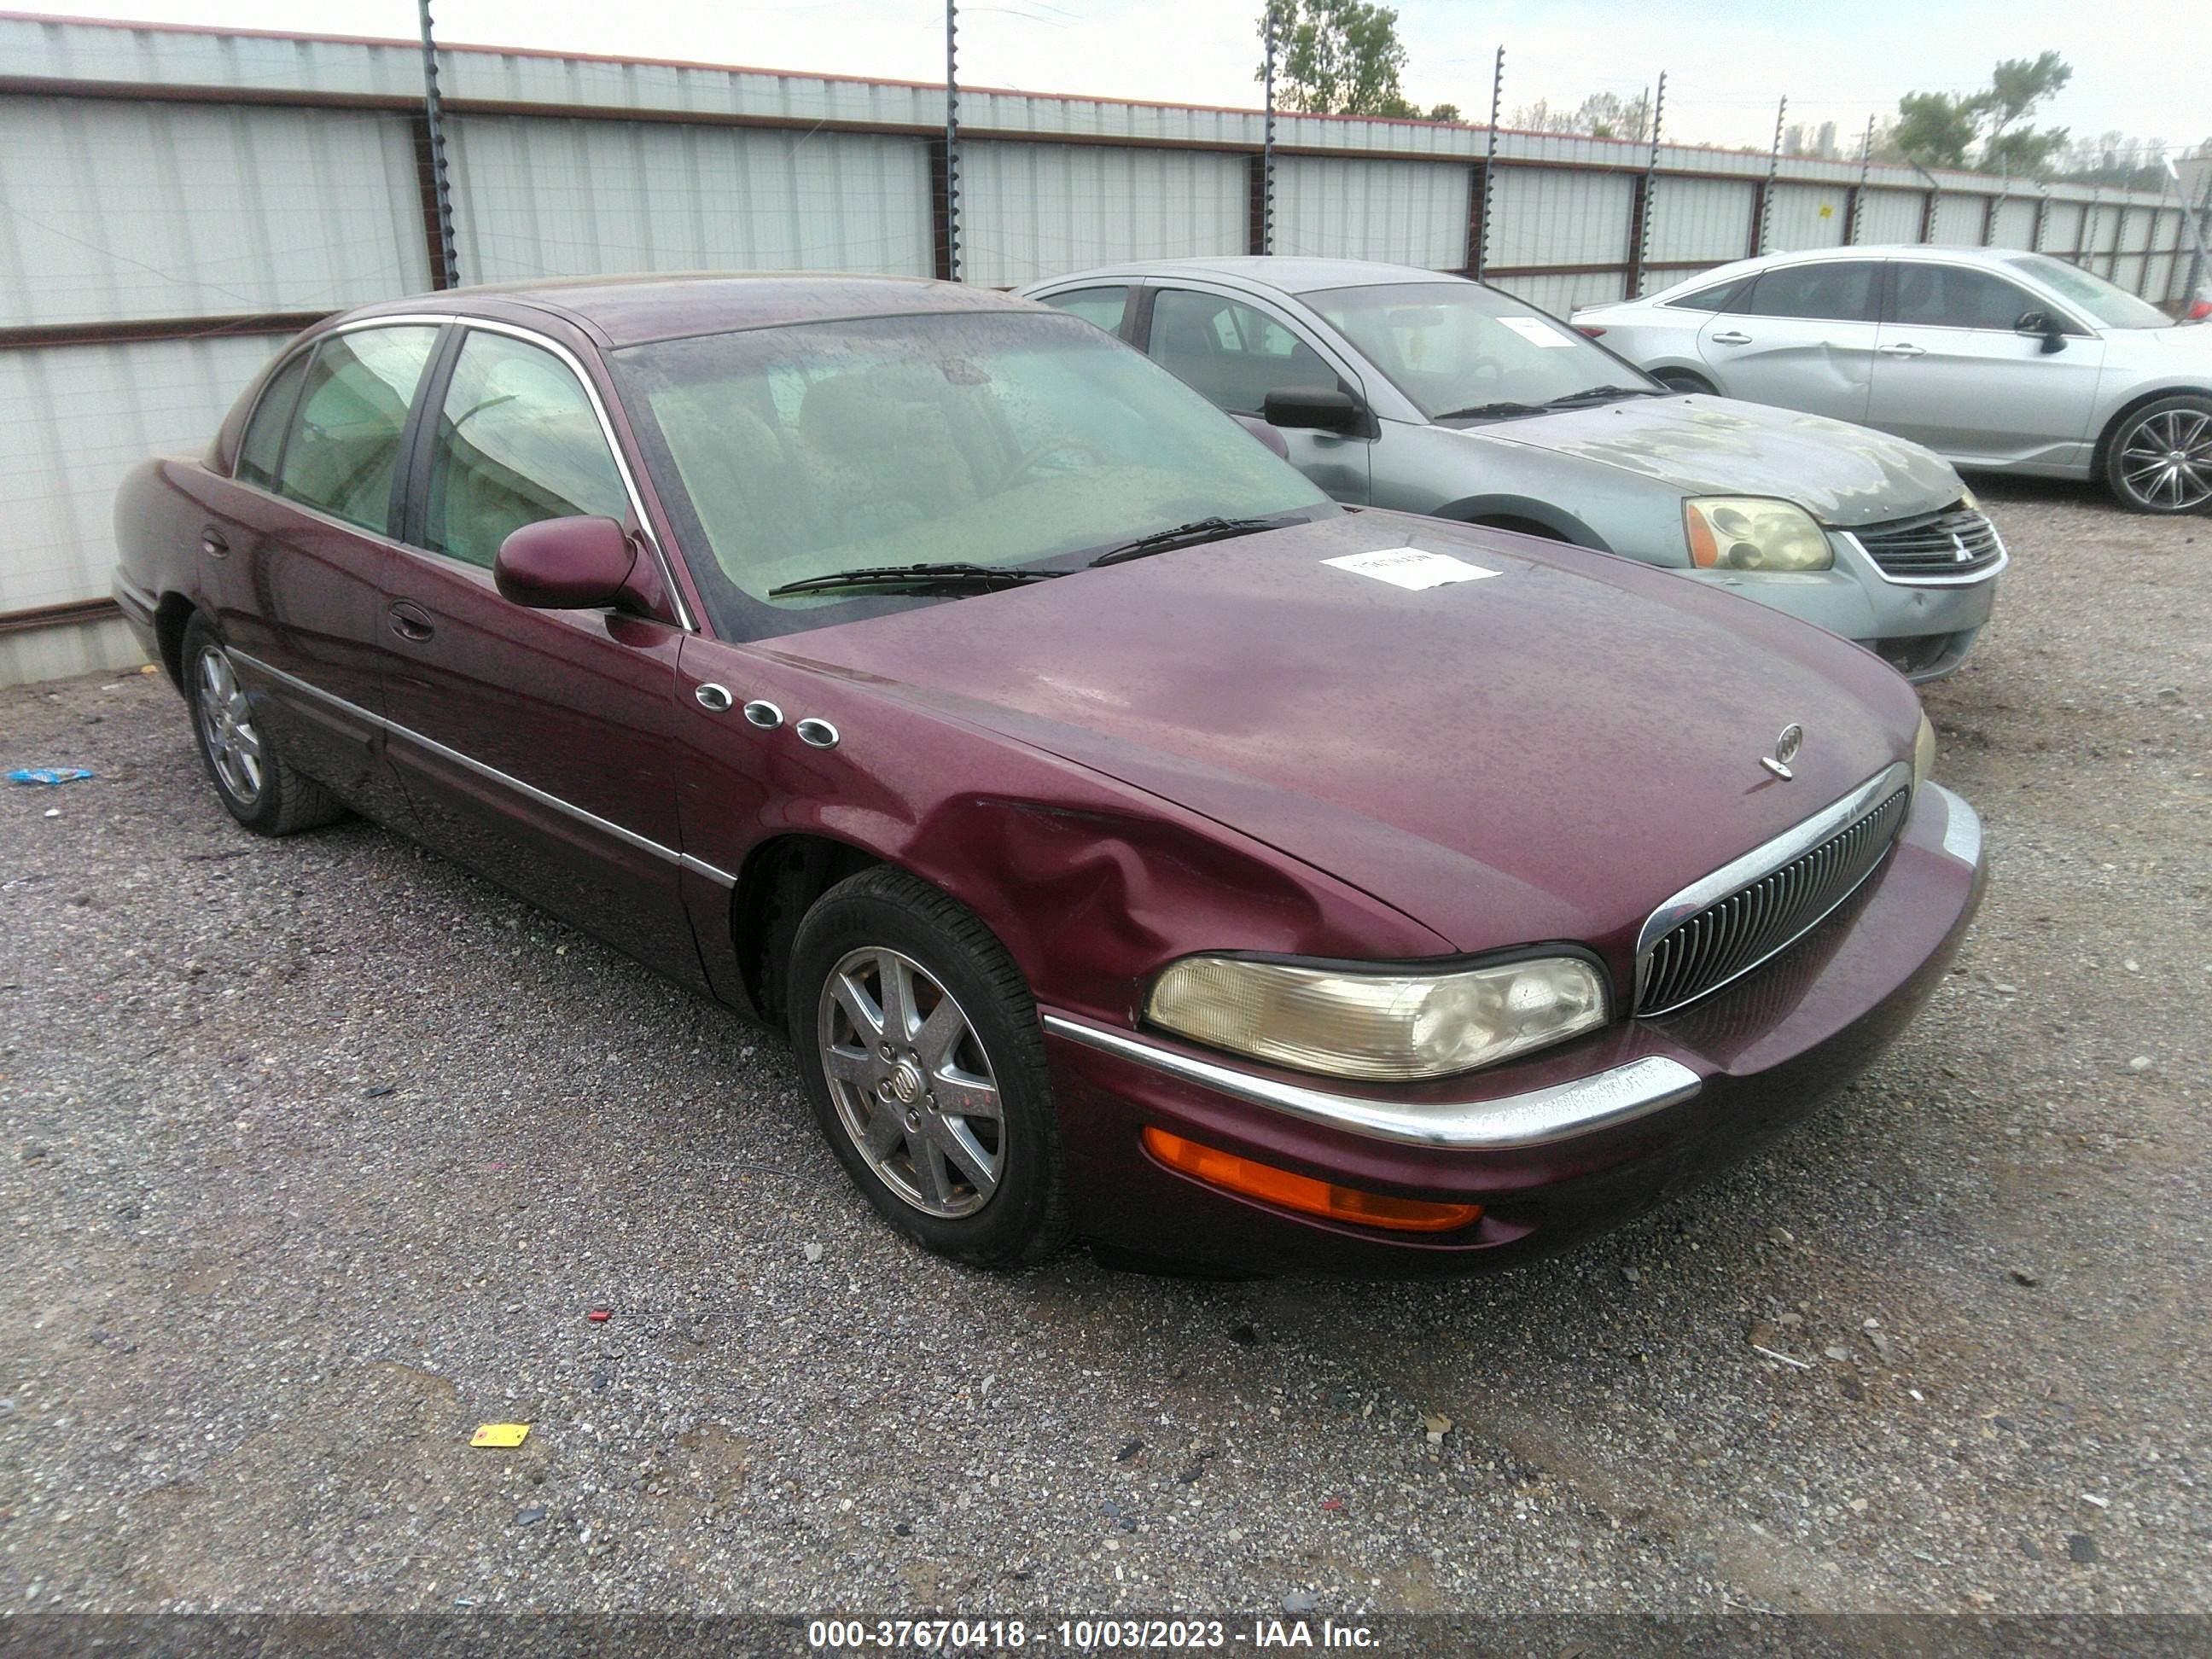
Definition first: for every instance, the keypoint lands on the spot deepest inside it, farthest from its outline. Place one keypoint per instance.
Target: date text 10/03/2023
(1084, 1635)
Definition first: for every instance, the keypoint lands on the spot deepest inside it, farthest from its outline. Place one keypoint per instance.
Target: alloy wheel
(911, 1082)
(234, 745)
(2166, 460)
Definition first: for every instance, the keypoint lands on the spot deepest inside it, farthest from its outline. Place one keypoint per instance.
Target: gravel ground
(317, 1153)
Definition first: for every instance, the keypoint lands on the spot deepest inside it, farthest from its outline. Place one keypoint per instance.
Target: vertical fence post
(951, 261)
(1855, 206)
(1639, 247)
(2042, 217)
(1267, 142)
(1762, 207)
(2196, 227)
(1481, 227)
(445, 261)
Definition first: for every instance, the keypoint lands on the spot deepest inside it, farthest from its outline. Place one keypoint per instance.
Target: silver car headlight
(1346, 1022)
(1753, 534)
(1923, 754)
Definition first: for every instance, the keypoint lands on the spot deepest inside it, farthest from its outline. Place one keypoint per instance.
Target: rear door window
(344, 451)
(1716, 298)
(265, 433)
(1830, 291)
(1101, 307)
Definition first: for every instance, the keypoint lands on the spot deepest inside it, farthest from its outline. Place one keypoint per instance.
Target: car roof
(625, 311)
(1285, 273)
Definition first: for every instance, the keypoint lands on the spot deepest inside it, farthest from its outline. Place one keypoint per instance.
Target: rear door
(1953, 372)
(1236, 351)
(534, 746)
(296, 563)
(1800, 336)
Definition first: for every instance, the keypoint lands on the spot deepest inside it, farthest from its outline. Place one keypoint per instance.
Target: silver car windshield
(2115, 307)
(998, 439)
(1458, 348)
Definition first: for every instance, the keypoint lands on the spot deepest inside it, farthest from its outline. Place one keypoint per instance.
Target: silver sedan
(1406, 388)
(1997, 360)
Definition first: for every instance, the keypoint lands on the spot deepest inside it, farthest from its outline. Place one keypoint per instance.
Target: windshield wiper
(1602, 394)
(1185, 535)
(1486, 410)
(948, 575)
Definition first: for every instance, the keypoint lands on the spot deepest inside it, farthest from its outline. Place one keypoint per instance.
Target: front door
(1800, 337)
(1953, 371)
(1236, 353)
(536, 746)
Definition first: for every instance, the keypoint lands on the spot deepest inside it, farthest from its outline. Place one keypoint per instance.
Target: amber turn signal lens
(1296, 1192)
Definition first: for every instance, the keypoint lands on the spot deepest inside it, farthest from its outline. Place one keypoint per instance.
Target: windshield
(996, 438)
(2115, 307)
(1452, 345)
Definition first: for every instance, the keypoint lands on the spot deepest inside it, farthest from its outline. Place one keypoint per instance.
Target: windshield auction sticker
(1536, 333)
(1409, 566)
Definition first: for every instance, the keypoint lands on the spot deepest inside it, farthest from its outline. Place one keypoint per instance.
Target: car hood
(1546, 753)
(1842, 475)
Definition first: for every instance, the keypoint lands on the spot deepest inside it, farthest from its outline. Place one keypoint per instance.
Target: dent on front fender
(1091, 901)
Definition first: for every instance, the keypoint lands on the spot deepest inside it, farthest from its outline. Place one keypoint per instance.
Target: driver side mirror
(566, 564)
(1313, 409)
(2043, 323)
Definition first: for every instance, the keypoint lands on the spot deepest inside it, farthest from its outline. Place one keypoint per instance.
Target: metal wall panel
(1561, 296)
(1890, 215)
(53, 653)
(2062, 227)
(534, 197)
(2015, 225)
(1702, 219)
(1808, 217)
(79, 417)
(1409, 213)
(1959, 219)
(117, 209)
(1549, 217)
(1035, 211)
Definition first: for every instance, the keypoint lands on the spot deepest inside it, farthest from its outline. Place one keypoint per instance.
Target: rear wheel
(255, 783)
(920, 1047)
(1680, 380)
(2159, 460)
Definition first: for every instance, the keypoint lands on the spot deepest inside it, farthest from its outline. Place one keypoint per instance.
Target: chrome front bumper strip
(1506, 1123)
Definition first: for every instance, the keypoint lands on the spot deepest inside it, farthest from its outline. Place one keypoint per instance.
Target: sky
(2139, 65)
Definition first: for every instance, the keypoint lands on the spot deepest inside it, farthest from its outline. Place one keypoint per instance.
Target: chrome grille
(1734, 935)
(1955, 545)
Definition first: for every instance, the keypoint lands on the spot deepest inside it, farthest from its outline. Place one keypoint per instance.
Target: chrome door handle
(410, 622)
(213, 544)
(1904, 349)
(1729, 338)
(714, 699)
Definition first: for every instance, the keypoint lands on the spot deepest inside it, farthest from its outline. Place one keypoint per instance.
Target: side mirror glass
(1313, 409)
(566, 564)
(2042, 323)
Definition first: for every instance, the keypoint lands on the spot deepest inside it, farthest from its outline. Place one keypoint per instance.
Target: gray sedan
(1997, 359)
(1405, 388)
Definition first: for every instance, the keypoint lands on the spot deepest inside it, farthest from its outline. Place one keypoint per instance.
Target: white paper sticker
(1409, 566)
(1537, 332)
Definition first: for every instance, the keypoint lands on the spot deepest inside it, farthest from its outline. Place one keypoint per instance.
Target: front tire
(257, 785)
(2159, 460)
(918, 1044)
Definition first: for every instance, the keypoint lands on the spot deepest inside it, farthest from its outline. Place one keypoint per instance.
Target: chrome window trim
(1763, 861)
(1987, 573)
(529, 790)
(1536, 1117)
(458, 320)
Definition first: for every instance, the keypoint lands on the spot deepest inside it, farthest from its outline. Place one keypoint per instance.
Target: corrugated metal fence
(174, 202)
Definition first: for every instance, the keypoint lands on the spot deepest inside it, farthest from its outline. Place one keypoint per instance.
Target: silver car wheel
(911, 1082)
(2166, 460)
(233, 746)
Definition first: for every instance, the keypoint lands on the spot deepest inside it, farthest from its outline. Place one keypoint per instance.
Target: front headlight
(1750, 532)
(1923, 754)
(1383, 1027)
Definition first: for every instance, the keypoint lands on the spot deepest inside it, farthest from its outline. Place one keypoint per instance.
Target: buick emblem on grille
(1785, 750)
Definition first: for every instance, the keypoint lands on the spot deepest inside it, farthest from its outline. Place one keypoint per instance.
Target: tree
(1941, 129)
(1600, 115)
(1336, 57)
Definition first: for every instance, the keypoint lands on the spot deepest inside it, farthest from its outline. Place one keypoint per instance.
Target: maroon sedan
(1133, 842)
